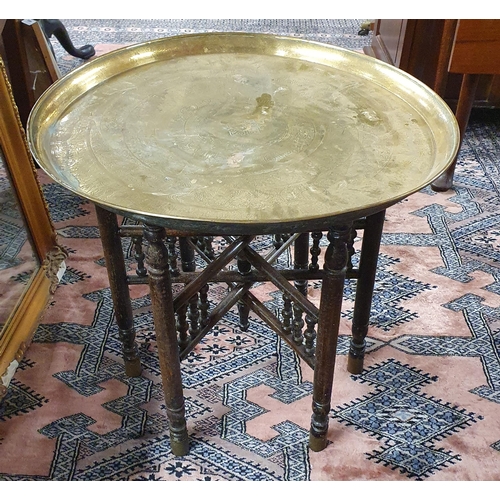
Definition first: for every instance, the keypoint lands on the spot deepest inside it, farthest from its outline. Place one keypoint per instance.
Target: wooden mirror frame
(22, 322)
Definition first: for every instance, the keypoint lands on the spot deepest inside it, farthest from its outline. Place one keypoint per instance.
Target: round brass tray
(244, 131)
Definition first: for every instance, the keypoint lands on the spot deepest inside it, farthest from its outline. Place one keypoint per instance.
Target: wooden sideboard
(423, 48)
(458, 58)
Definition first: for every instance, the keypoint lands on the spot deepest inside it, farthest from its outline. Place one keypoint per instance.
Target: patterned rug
(424, 409)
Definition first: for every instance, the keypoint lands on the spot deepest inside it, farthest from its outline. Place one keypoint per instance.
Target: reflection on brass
(264, 103)
(170, 129)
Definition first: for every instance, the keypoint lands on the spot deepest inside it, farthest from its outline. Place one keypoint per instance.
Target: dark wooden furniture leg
(166, 337)
(332, 291)
(56, 27)
(301, 259)
(187, 255)
(115, 265)
(464, 108)
(364, 290)
(244, 268)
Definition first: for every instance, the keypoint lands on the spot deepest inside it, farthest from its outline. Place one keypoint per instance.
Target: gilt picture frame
(19, 327)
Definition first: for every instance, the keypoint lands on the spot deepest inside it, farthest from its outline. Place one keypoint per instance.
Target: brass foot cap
(317, 443)
(180, 448)
(354, 365)
(133, 368)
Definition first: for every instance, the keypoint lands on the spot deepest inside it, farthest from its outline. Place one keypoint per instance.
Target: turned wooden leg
(244, 267)
(328, 330)
(120, 294)
(364, 290)
(464, 108)
(301, 259)
(166, 337)
(188, 262)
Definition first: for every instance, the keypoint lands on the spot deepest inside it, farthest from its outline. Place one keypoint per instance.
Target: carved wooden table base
(181, 321)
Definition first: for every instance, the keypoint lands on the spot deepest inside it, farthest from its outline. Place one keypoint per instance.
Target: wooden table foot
(180, 448)
(179, 439)
(317, 443)
(133, 367)
(355, 364)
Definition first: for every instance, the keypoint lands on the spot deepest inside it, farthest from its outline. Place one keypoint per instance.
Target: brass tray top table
(237, 135)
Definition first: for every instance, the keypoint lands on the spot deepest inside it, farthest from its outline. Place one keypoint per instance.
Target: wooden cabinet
(423, 48)
(29, 60)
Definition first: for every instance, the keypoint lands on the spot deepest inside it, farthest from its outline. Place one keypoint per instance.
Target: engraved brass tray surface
(245, 131)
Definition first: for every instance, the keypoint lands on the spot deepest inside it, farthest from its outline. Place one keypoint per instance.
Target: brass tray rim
(234, 225)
